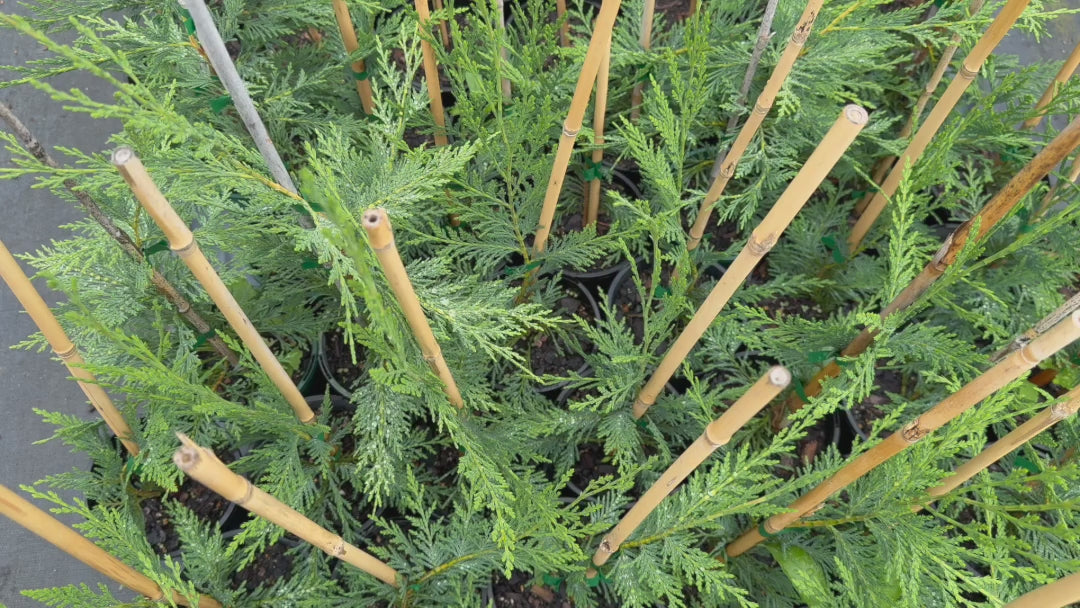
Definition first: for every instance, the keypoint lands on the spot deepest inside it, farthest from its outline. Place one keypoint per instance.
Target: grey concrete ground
(28, 219)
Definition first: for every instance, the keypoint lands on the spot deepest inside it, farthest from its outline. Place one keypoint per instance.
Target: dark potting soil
(627, 301)
(339, 357)
(870, 409)
(590, 465)
(204, 503)
(518, 593)
(546, 355)
(268, 568)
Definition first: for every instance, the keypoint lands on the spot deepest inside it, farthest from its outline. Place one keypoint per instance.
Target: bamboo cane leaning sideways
(987, 217)
(35, 306)
(182, 242)
(359, 68)
(1066, 72)
(1057, 594)
(648, 12)
(851, 121)
(203, 466)
(601, 40)
(764, 35)
(716, 434)
(1067, 406)
(218, 55)
(882, 167)
(595, 171)
(431, 74)
(160, 283)
(964, 78)
(947, 409)
(1044, 324)
(53, 531)
(381, 236)
(753, 122)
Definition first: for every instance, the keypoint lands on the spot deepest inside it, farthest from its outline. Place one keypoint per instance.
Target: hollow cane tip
(377, 225)
(779, 376)
(188, 453)
(122, 156)
(857, 115)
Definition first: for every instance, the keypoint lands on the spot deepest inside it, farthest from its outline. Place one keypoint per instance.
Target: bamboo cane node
(967, 73)
(338, 550)
(606, 547)
(1061, 411)
(728, 170)
(762, 108)
(762, 246)
(67, 354)
(186, 250)
(939, 258)
(913, 432)
(568, 132)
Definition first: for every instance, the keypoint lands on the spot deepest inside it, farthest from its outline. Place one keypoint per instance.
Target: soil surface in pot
(518, 593)
(590, 465)
(870, 409)
(339, 358)
(204, 503)
(268, 568)
(626, 301)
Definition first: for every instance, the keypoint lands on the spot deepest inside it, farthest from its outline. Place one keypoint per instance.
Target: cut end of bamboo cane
(188, 454)
(779, 376)
(122, 156)
(377, 225)
(857, 115)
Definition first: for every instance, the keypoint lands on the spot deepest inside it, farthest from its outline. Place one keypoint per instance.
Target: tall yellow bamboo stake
(832, 147)
(431, 75)
(592, 197)
(716, 434)
(646, 43)
(182, 242)
(886, 163)
(960, 83)
(381, 236)
(1022, 434)
(53, 531)
(64, 348)
(601, 40)
(1063, 74)
(1057, 594)
(1044, 324)
(359, 69)
(203, 466)
(444, 29)
(753, 121)
(564, 29)
(987, 217)
(952, 406)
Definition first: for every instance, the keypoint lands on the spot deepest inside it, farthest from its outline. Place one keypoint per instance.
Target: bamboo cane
(1057, 594)
(381, 235)
(947, 409)
(431, 75)
(645, 40)
(883, 165)
(444, 29)
(182, 242)
(160, 283)
(1063, 74)
(832, 147)
(592, 197)
(203, 466)
(359, 68)
(64, 348)
(716, 434)
(987, 217)
(53, 531)
(223, 65)
(753, 121)
(601, 40)
(764, 35)
(1044, 324)
(1027, 431)
(564, 29)
(941, 110)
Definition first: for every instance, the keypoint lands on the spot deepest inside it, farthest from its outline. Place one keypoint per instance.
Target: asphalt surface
(30, 218)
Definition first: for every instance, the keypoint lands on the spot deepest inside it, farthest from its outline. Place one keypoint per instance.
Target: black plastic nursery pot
(335, 362)
(547, 356)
